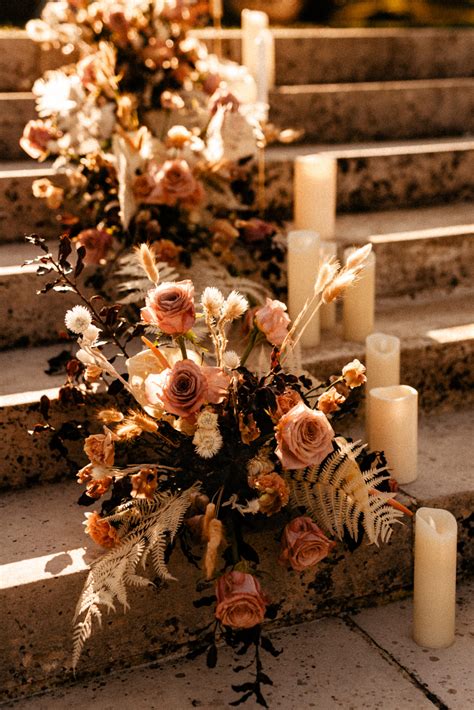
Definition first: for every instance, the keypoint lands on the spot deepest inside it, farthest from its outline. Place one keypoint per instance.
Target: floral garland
(206, 442)
(154, 136)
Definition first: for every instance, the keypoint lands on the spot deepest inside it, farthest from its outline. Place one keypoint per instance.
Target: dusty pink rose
(240, 601)
(97, 242)
(304, 544)
(254, 230)
(184, 388)
(35, 138)
(273, 320)
(117, 21)
(175, 183)
(170, 306)
(304, 437)
(211, 83)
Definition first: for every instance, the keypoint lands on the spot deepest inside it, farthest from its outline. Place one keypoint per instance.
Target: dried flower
(356, 259)
(78, 319)
(146, 257)
(171, 101)
(144, 483)
(273, 321)
(212, 301)
(208, 442)
(337, 287)
(234, 306)
(249, 430)
(304, 437)
(354, 374)
(36, 138)
(304, 544)
(286, 401)
(93, 373)
(330, 401)
(274, 492)
(100, 530)
(231, 360)
(240, 601)
(44, 189)
(178, 136)
(97, 243)
(99, 448)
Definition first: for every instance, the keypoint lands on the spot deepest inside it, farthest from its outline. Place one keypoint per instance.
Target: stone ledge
(44, 551)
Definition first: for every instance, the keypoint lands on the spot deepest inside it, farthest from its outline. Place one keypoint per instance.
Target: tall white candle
(382, 360)
(253, 22)
(315, 194)
(359, 304)
(393, 428)
(434, 600)
(261, 75)
(328, 310)
(216, 9)
(303, 265)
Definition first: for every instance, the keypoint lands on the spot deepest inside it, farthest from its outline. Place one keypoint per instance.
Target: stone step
(437, 358)
(44, 562)
(332, 677)
(303, 55)
(28, 318)
(328, 113)
(370, 177)
(419, 252)
(385, 110)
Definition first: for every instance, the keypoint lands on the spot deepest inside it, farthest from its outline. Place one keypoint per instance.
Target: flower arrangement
(207, 442)
(154, 137)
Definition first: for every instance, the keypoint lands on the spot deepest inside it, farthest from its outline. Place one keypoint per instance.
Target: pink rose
(35, 138)
(97, 242)
(254, 230)
(184, 388)
(273, 321)
(304, 437)
(170, 306)
(304, 544)
(211, 83)
(175, 183)
(240, 602)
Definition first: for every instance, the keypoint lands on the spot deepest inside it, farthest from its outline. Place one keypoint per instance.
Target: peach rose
(184, 388)
(144, 483)
(170, 306)
(99, 448)
(304, 544)
(304, 437)
(286, 401)
(175, 183)
(274, 493)
(240, 602)
(354, 374)
(36, 137)
(101, 531)
(97, 242)
(273, 321)
(330, 401)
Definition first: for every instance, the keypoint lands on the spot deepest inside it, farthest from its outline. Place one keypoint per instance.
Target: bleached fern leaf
(146, 526)
(339, 495)
(133, 284)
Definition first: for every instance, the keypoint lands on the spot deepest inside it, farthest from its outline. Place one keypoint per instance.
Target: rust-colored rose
(240, 601)
(175, 183)
(273, 320)
(99, 448)
(274, 493)
(286, 401)
(97, 242)
(101, 531)
(170, 306)
(304, 437)
(304, 544)
(184, 388)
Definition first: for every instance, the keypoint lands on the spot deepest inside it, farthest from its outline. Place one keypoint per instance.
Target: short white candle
(358, 305)
(328, 310)
(253, 23)
(382, 360)
(315, 194)
(216, 9)
(303, 265)
(393, 428)
(434, 600)
(265, 70)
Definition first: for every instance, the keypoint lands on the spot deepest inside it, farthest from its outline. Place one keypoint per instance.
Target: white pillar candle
(393, 428)
(315, 194)
(216, 9)
(434, 600)
(265, 68)
(328, 310)
(303, 265)
(253, 22)
(359, 304)
(382, 360)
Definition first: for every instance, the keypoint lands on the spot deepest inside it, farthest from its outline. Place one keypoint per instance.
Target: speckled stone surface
(22, 61)
(336, 113)
(16, 109)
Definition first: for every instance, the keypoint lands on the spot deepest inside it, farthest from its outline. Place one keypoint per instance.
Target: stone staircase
(397, 113)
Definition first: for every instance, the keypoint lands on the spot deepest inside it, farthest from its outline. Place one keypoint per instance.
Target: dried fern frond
(133, 282)
(147, 527)
(338, 495)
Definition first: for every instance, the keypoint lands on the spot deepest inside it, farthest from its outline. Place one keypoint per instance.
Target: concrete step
(385, 110)
(303, 55)
(328, 113)
(370, 177)
(44, 563)
(402, 675)
(437, 358)
(28, 318)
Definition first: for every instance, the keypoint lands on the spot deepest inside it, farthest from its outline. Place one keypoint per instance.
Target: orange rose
(101, 531)
(99, 448)
(274, 493)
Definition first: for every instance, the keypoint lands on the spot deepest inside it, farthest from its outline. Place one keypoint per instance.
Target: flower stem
(182, 347)
(250, 346)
